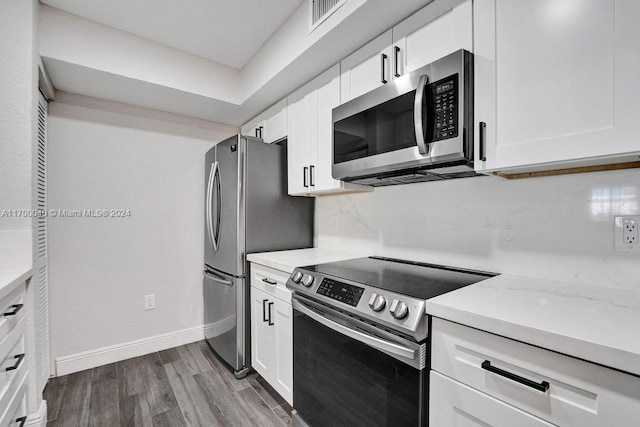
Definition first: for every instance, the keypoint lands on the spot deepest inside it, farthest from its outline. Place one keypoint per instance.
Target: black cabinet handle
(257, 131)
(383, 59)
(16, 308)
(270, 320)
(21, 420)
(483, 136)
(260, 129)
(542, 386)
(20, 357)
(268, 281)
(305, 170)
(264, 311)
(311, 174)
(396, 58)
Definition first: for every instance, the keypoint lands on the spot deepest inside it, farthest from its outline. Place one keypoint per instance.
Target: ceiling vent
(320, 10)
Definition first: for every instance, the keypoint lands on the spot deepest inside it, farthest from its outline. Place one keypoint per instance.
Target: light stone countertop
(601, 325)
(11, 278)
(287, 261)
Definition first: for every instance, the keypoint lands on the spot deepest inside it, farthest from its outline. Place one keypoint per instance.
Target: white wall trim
(114, 353)
(38, 418)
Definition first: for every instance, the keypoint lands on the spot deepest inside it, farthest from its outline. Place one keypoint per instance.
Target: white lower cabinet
(272, 329)
(484, 379)
(454, 404)
(13, 366)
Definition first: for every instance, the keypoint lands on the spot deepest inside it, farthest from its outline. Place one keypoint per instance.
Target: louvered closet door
(41, 286)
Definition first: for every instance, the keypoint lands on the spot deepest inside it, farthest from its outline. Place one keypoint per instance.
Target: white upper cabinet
(310, 142)
(271, 125)
(435, 31)
(556, 83)
(430, 34)
(367, 68)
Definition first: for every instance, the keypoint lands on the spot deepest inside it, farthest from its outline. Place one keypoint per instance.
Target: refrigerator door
(224, 207)
(224, 317)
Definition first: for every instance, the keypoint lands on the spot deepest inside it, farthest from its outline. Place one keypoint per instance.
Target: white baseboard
(115, 353)
(38, 419)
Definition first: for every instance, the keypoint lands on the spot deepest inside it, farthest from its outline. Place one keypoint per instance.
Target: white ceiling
(227, 31)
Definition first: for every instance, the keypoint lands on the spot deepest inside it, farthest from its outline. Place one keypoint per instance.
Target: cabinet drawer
(579, 393)
(271, 281)
(12, 362)
(12, 303)
(16, 409)
(455, 404)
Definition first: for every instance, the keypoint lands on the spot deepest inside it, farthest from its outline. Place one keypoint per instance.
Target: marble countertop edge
(591, 350)
(11, 278)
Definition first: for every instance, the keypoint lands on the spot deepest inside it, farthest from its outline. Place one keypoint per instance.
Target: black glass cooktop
(409, 278)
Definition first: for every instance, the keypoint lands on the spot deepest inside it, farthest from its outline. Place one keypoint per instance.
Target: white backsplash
(557, 228)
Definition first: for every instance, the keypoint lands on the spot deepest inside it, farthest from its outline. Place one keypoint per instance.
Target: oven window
(380, 129)
(338, 381)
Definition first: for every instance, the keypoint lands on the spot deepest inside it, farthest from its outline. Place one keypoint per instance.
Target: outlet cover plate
(618, 233)
(150, 302)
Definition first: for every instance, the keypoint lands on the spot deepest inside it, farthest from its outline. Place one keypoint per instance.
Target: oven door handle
(377, 343)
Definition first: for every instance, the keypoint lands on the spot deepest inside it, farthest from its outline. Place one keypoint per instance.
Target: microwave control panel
(339, 291)
(445, 103)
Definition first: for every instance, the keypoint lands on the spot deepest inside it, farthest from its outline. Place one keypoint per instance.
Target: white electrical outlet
(150, 302)
(627, 233)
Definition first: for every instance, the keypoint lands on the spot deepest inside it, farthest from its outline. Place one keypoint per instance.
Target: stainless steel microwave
(419, 127)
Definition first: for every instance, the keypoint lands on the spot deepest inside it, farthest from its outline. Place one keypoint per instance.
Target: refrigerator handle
(216, 232)
(217, 279)
(212, 171)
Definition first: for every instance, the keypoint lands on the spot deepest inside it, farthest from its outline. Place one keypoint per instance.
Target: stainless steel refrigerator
(247, 209)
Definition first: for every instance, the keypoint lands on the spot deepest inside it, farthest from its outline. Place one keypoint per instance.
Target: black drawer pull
(543, 386)
(264, 311)
(270, 320)
(20, 357)
(16, 309)
(21, 420)
(268, 281)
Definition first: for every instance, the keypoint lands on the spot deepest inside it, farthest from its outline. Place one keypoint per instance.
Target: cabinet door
(253, 129)
(454, 404)
(367, 68)
(262, 334)
(275, 126)
(431, 33)
(284, 347)
(328, 97)
(301, 143)
(555, 82)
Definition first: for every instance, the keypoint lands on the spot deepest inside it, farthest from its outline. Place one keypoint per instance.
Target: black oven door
(348, 373)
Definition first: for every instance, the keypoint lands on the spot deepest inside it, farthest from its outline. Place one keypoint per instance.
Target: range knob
(399, 309)
(297, 276)
(377, 302)
(307, 280)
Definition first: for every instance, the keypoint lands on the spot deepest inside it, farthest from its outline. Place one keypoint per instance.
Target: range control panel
(445, 97)
(348, 294)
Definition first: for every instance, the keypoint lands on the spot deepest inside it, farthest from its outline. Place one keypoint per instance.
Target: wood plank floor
(182, 386)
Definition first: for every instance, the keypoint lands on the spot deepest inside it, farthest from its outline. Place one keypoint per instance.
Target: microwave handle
(423, 147)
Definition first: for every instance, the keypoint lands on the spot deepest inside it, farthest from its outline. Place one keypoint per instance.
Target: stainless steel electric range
(360, 340)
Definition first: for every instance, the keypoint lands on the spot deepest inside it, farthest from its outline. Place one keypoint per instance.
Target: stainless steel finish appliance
(361, 340)
(419, 127)
(247, 209)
